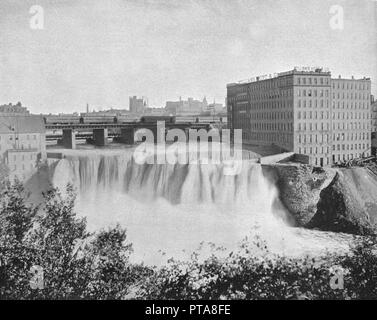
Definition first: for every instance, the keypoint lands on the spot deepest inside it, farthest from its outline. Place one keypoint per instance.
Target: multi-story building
(22, 144)
(138, 105)
(215, 108)
(186, 107)
(12, 110)
(304, 111)
(373, 110)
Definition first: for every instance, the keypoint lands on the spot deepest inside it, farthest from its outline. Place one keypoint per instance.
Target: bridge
(98, 133)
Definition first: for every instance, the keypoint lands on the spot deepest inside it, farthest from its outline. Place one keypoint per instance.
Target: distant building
(215, 108)
(13, 110)
(304, 111)
(155, 111)
(138, 105)
(105, 112)
(188, 107)
(22, 144)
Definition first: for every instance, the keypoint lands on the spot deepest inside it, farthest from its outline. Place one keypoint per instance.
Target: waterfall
(188, 184)
(169, 210)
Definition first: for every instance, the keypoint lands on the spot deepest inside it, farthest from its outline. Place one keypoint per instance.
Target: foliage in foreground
(76, 264)
(81, 265)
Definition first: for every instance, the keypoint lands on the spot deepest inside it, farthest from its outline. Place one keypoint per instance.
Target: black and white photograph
(195, 150)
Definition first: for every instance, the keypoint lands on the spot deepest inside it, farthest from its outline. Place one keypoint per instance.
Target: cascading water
(169, 210)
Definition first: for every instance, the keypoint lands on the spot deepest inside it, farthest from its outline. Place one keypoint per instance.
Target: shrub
(75, 263)
(242, 276)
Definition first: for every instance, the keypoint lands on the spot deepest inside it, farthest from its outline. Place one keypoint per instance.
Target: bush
(75, 263)
(242, 276)
(360, 269)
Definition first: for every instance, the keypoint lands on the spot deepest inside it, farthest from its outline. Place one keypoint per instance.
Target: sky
(103, 51)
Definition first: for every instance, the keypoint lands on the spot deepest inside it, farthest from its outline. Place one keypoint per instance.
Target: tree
(15, 223)
(57, 238)
(76, 264)
(111, 272)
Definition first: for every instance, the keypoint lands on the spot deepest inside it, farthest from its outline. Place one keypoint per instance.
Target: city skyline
(74, 61)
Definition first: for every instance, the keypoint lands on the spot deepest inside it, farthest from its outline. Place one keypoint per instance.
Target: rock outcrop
(349, 203)
(299, 188)
(342, 200)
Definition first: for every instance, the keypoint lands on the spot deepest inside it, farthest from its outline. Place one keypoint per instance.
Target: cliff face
(299, 188)
(342, 200)
(349, 203)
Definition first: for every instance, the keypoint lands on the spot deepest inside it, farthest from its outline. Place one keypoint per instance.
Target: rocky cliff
(342, 200)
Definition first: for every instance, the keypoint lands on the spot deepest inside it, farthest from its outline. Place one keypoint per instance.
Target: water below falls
(169, 210)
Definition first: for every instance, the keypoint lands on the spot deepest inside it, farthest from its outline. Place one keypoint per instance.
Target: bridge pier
(69, 139)
(100, 137)
(127, 135)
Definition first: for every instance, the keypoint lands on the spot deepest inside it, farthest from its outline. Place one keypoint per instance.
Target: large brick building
(304, 111)
(373, 110)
